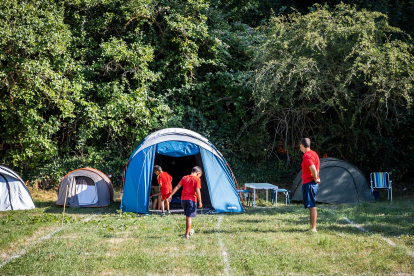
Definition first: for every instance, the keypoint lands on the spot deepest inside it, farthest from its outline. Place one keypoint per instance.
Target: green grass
(259, 242)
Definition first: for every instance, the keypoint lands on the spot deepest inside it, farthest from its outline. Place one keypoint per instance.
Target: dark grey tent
(86, 187)
(14, 195)
(341, 182)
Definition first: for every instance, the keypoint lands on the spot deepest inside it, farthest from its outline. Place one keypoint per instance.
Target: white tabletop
(260, 186)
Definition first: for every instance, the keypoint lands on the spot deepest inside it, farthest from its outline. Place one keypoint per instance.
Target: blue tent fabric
(223, 192)
(178, 142)
(177, 148)
(138, 177)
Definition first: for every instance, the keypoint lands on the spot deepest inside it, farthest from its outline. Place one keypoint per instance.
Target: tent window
(82, 180)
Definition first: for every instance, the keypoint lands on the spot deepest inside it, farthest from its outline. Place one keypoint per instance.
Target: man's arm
(200, 204)
(314, 174)
(173, 192)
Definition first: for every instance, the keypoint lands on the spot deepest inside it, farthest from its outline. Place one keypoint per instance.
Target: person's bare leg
(154, 203)
(313, 216)
(168, 205)
(162, 206)
(159, 203)
(187, 225)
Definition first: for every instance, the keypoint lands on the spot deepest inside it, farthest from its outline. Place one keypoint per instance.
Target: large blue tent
(177, 150)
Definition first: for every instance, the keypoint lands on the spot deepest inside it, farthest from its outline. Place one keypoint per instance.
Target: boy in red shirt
(164, 180)
(310, 179)
(191, 191)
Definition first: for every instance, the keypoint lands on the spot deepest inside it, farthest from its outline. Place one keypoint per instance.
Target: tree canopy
(83, 81)
(338, 75)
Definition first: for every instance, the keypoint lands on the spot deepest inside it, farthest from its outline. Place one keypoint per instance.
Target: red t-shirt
(165, 180)
(309, 158)
(189, 184)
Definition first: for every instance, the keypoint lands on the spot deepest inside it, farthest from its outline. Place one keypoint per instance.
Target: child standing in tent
(191, 191)
(156, 197)
(164, 180)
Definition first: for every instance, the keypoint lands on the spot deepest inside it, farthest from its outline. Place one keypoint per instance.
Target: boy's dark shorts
(309, 191)
(190, 208)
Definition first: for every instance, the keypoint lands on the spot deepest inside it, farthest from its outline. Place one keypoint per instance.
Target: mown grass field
(262, 241)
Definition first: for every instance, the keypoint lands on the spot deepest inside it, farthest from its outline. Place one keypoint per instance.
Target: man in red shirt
(191, 192)
(310, 179)
(164, 180)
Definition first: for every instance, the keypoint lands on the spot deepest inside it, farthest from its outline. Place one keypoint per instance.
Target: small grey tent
(341, 182)
(14, 195)
(86, 187)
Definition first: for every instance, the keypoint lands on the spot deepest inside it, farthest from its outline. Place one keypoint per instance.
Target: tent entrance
(5, 193)
(86, 190)
(178, 167)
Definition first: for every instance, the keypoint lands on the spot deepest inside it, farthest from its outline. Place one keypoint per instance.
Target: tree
(39, 83)
(338, 75)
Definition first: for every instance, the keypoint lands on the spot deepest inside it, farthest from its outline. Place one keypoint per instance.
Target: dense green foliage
(257, 12)
(338, 76)
(83, 81)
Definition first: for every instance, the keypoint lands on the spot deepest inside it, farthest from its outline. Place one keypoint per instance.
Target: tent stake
(64, 205)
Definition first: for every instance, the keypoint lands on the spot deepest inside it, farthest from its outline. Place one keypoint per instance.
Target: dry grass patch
(43, 195)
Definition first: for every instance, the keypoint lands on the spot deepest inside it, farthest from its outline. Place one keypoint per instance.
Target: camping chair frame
(284, 191)
(247, 196)
(381, 181)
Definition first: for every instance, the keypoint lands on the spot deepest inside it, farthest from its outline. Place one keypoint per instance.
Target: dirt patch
(111, 272)
(117, 196)
(115, 245)
(116, 240)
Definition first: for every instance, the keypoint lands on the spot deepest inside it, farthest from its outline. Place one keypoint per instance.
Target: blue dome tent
(177, 151)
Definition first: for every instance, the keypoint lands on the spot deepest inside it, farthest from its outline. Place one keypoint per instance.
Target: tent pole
(237, 184)
(64, 205)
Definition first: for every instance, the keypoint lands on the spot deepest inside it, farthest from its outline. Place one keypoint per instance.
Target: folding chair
(381, 181)
(284, 191)
(247, 196)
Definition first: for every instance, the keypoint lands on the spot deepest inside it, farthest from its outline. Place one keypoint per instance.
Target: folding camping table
(261, 186)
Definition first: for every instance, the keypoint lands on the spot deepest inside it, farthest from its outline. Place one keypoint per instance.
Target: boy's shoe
(185, 236)
(162, 215)
(168, 212)
(191, 232)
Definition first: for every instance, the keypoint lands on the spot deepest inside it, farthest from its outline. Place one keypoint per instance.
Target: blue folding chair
(381, 181)
(284, 191)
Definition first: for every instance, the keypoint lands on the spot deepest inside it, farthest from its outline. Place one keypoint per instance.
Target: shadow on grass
(253, 230)
(56, 209)
(252, 220)
(387, 227)
(346, 228)
(387, 218)
(44, 204)
(272, 211)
